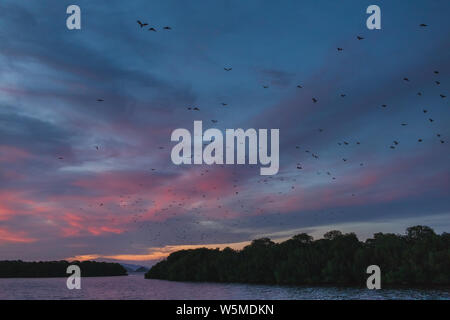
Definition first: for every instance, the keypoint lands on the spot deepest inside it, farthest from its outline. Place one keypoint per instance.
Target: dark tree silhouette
(48, 269)
(418, 258)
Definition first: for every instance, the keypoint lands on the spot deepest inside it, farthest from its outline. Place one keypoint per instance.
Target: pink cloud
(12, 154)
(18, 237)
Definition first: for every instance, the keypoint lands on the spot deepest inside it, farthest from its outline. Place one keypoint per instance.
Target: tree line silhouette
(419, 258)
(49, 269)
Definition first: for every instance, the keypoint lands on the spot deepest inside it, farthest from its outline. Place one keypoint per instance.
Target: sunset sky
(61, 197)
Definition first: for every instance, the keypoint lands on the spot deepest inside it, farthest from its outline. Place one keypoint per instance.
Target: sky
(88, 179)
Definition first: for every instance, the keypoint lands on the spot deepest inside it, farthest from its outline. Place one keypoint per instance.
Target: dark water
(136, 287)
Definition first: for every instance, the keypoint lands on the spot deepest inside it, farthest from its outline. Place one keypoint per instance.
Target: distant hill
(51, 269)
(141, 269)
(134, 267)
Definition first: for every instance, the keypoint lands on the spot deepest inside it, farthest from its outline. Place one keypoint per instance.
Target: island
(51, 269)
(419, 258)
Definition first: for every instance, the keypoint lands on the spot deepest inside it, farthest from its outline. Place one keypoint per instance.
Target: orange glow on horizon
(156, 253)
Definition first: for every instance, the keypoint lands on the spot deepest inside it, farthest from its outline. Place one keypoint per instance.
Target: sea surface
(135, 286)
